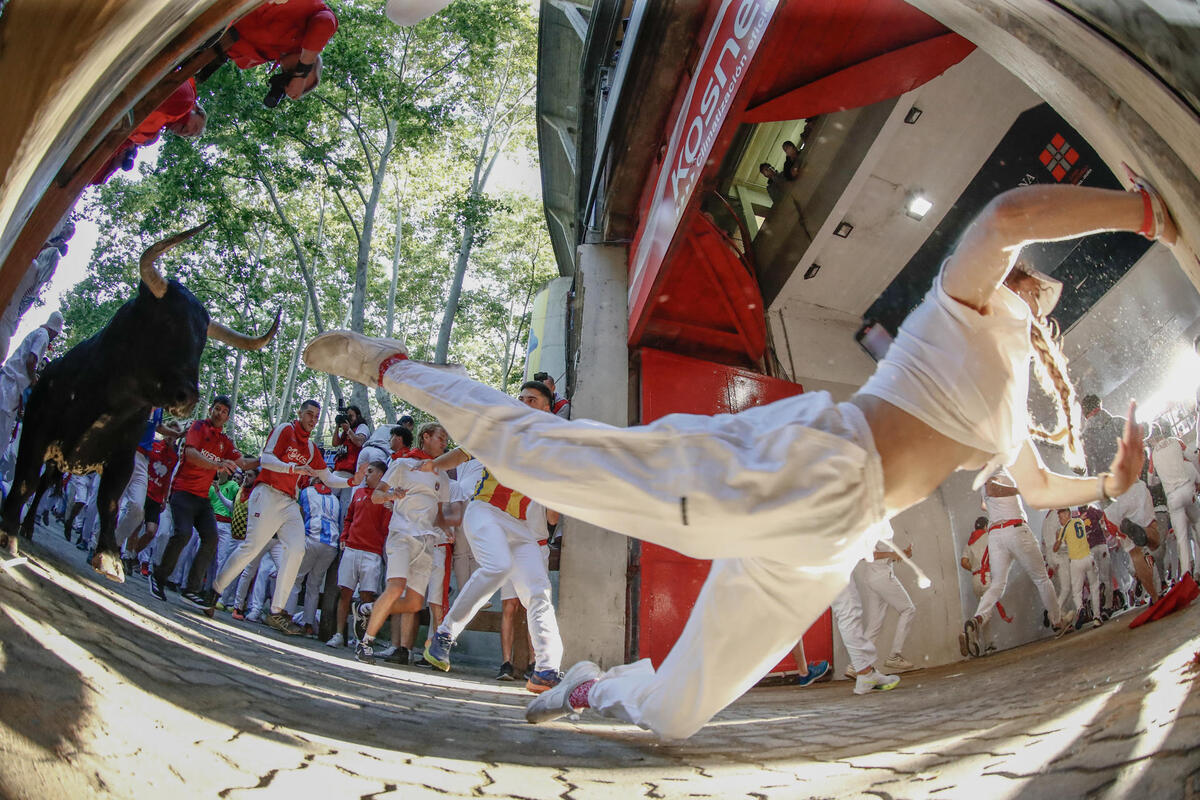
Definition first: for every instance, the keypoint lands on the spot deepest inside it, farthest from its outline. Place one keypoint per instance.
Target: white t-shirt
(962, 373)
(1002, 509)
(1135, 505)
(416, 513)
(14, 368)
(1173, 469)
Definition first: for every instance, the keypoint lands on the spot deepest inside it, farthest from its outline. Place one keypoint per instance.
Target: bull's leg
(107, 560)
(30, 456)
(49, 475)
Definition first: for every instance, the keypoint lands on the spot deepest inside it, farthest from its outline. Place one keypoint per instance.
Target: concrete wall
(592, 584)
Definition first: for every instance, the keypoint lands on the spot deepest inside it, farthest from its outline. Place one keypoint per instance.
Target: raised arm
(1042, 488)
(1035, 213)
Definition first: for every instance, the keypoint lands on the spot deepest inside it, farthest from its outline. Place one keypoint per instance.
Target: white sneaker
(337, 640)
(898, 663)
(556, 703)
(851, 672)
(385, 652)
(875, 681)
(351, 355)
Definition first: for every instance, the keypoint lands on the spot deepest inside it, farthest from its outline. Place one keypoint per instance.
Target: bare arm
(1026, 214)
(995, 489)
(1042, 488)
(445, 461)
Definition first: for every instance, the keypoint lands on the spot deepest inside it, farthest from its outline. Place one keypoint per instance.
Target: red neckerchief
(322, 489)
(975, 534)
(401, 454)
(299, 431)
(418, 453)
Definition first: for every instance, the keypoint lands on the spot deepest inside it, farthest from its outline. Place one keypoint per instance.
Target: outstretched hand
(1131, 454)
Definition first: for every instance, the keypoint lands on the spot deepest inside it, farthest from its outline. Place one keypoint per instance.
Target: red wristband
(1147, 228)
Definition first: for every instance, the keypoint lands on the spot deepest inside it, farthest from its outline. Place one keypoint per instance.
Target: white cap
(54, 323)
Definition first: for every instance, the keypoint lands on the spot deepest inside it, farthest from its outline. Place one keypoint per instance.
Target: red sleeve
(320, 29)
(231, 449)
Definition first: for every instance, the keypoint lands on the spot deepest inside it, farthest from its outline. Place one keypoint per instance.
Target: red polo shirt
(291, 444)
(210, 442)
(162, 461)
(366, 525)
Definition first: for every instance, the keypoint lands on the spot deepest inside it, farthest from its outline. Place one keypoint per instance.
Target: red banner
(736, 32)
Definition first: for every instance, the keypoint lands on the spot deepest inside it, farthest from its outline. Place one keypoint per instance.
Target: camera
(341, 419)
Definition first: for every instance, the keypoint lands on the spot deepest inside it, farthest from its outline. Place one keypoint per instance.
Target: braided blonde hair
(1050, 368)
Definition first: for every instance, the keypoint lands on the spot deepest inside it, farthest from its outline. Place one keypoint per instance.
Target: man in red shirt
(351, 433)
(205, 450)
(365, 531)
(274, 511)
(164, 455)
(291, 34)
(180, 114)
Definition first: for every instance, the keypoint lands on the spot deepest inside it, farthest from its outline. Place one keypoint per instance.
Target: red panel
(670, 582)
(888, 75)
(709, 305)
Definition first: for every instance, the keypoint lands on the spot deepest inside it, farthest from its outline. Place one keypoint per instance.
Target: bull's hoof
(109, 565)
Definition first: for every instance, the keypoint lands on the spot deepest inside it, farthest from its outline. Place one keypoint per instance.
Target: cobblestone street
(107, 692)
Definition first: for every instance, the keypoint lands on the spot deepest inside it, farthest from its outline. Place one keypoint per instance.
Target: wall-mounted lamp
(843, 230)
(912, 116)
(918, 206)
(811, 272)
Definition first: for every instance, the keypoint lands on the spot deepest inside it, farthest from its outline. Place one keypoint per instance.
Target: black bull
(89, 408)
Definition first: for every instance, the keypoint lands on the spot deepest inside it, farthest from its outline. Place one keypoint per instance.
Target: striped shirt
(321, 515)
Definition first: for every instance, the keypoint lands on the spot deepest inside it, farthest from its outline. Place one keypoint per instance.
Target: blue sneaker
(815, 673)
(437, 652)
(543, 681)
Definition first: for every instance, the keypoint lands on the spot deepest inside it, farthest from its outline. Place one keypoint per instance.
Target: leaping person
(787, 497)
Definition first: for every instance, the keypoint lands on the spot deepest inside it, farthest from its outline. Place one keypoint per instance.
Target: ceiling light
(912, 116)
(918, 206)
(843, 230)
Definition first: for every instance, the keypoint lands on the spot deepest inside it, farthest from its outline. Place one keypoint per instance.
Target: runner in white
(1179, 482)
(952, 393)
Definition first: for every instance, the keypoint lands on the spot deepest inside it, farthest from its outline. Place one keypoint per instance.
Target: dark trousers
(188, 511)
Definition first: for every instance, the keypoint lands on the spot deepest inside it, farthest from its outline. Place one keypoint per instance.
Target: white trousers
(1103, 564)
(226, 546)
(271, 513)
(1061, 563)
(1084, 569)
(699, 677)
(317, 558)
(183, 567)
(505, 549)
(848, 614)
(267, 577)
(1185, 515)
(881, 590)
(689, 482)
(132, 504)
(246, 581)
(1016, 543)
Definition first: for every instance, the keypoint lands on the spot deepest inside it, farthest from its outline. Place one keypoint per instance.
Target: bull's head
(173, 327)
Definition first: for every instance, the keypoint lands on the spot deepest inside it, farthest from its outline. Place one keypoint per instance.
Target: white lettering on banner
(715, 83)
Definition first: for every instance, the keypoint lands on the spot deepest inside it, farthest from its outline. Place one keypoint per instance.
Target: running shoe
(556, 703)
(360, 613)
(850, 672)
(815, 673)
(1066, 624)
(309, 632)
(898, 663)
(399, 655)
(505, 673)
(875, 681)
(282, 622)
(387, 652)
(1096, 623)
(239, 615)
(337, 640)
(543, 681)
(352, 355)
(156, 589)
(145, 569)
(971, 630)
(364, 652)
(962, 645)
(437, 652)
(195, 598)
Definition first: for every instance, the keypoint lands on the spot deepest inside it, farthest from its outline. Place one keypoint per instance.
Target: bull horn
(241, 341)
(153, 279)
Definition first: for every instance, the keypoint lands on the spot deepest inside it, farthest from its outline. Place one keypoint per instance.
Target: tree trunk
(381, 395)
(237, 365)
(286, 404)
(305, 269)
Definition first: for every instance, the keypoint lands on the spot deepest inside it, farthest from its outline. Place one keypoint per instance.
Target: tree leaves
(406, 120)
